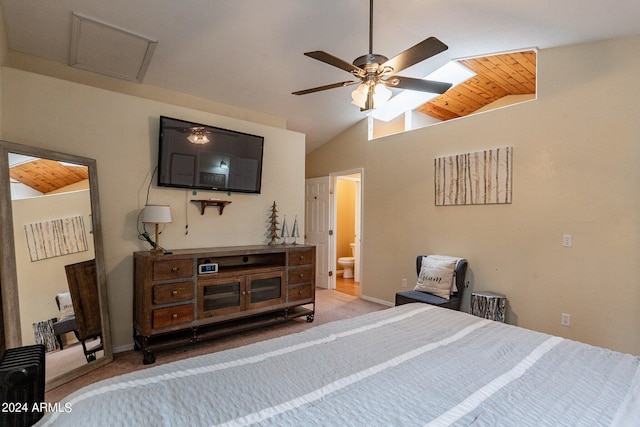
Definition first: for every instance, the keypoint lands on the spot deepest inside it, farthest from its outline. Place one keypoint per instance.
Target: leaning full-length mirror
(52, 272)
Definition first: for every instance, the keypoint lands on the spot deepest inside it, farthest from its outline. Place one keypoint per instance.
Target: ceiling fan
(197, 134)
(376, 72)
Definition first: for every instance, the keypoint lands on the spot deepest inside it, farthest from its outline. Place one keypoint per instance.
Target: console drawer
(172, 269)
(300, 275)
(302, 257)
(172, 292)
(175, 315)
(300, 292)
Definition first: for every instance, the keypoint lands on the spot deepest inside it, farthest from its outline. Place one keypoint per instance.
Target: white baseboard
(379, 301)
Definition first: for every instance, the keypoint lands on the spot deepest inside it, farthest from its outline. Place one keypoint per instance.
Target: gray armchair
(455, 299)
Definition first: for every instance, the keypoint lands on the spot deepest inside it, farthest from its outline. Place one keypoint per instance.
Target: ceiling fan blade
(421, 85)
(318, 89)
(418, 53)
(336, 62)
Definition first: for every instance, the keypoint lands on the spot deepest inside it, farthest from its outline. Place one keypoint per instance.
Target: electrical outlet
(404, 283)
(565, 320)
(567, 241)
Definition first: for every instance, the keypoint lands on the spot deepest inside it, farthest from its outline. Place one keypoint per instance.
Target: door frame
(333, 207)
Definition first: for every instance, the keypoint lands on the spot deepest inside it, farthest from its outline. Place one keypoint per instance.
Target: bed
(411, 365)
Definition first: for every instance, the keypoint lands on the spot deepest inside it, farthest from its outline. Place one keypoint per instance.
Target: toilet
(346, 263)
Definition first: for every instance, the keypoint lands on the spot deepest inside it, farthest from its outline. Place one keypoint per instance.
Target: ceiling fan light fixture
(198, 139)
(380, 95)
(359, 95)
(379, 92)
(198, 136)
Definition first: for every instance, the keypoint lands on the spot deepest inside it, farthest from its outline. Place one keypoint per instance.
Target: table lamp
(157, 214)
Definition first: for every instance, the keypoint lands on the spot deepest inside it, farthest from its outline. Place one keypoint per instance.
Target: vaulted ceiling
(249, 53)
(496, 76)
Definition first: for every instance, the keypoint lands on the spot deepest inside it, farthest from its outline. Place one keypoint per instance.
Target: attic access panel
(103, 48)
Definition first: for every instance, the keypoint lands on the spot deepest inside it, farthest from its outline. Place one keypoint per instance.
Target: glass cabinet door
(265, 289)
(236, 293)
(221, 296)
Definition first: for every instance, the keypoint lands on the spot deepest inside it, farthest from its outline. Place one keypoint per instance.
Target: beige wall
(121, 132)
(576, 153)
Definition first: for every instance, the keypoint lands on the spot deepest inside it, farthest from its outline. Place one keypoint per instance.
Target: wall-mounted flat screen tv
(193, 155)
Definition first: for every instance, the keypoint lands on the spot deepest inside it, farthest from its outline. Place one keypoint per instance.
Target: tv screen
(193, 155)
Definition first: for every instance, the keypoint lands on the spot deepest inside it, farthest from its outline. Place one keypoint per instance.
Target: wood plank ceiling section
(46, 175)
(496, 76)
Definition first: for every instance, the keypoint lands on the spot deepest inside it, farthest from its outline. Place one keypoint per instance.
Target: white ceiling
(249, 53)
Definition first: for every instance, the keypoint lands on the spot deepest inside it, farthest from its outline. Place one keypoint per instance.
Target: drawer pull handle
(174, 269)
(300, 292)
(301, 257)
(301, 275)
(174, 292)
(174, 316)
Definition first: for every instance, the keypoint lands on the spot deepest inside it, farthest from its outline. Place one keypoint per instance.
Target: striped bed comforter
(412, 365)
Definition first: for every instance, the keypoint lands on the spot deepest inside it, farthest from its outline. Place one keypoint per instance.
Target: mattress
(411, 365)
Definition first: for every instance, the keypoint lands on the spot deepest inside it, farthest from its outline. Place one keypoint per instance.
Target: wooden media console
(192, 295)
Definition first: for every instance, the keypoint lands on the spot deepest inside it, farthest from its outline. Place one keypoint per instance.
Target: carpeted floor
(330, 306)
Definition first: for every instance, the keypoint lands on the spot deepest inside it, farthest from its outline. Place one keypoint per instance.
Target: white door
(317, 211)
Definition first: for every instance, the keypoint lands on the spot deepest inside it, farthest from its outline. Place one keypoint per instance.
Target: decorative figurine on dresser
(193, 295)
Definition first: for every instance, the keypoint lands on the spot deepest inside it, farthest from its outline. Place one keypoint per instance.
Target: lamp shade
(359, 95)
(199, 139)
(156, 214)
(381, 95)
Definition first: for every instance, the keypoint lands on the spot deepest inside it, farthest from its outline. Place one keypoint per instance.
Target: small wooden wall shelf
(210, 202)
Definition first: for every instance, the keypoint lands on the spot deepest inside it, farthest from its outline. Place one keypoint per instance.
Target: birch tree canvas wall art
(479, 178)
(54, 238)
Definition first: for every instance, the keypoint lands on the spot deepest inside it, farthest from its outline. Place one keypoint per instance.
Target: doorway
(346, 223)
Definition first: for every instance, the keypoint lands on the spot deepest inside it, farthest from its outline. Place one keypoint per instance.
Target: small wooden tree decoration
(273, 228)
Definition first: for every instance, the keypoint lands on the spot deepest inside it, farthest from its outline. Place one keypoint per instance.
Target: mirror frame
(10, 329)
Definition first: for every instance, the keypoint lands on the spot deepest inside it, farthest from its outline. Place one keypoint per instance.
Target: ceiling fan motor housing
(370, 62)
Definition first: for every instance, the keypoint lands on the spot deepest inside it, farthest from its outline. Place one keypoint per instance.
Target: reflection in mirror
(57, 260)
